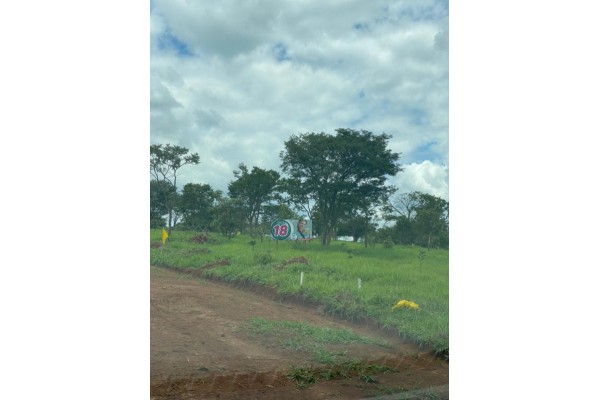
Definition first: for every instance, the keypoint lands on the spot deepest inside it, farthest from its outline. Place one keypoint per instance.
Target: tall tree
(165, 162)
(338, 172)
(197, 205)
(255, 189)
(295, 197)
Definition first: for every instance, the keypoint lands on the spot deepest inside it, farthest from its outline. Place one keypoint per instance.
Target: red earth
(201, 349)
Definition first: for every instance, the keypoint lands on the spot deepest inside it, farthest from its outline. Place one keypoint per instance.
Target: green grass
(307, 338)
(306, 333)
(331, 277)
(305, 376)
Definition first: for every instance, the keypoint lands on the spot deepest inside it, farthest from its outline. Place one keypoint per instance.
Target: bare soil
(201, 349)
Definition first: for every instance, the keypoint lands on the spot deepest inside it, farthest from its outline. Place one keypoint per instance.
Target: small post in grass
(301, 278)
(359, 283)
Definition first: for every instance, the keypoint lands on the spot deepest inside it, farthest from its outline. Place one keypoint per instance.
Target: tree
(421, 219)
(296, 197)
(431, 221)
(158, 202)
(229, 217)
(197, 205)
(339, 173)
(369, 202)
(254, 189)
(274, 212)
(165, 162)
(352, 226)
(404, 204)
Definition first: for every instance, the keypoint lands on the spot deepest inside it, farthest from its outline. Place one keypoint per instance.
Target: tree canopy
(338, 173)
(421, 219)
(255, 189)
(165, 162)
(197, 204)
(339, 181)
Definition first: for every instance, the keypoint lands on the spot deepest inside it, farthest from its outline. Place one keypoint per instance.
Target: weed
(322, 356)
(303, 376)
(422, 255)
(306, 376)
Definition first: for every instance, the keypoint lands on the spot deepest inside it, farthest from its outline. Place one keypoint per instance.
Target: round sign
(280, 229)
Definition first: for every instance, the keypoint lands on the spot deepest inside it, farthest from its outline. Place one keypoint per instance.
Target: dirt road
(201, 348)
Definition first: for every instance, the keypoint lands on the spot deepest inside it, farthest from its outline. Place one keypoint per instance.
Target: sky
(233, 80)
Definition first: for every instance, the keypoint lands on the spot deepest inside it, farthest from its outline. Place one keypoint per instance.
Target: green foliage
(254, 189)
(339, 173)
(197, 204)
(306, 334)
(161, 195)
(229, 217)
(263, 258)
(421, 219)
(303, 376)
(156, 221)
(307, 376)
(330, 278)
(388, 243)
(165, 162)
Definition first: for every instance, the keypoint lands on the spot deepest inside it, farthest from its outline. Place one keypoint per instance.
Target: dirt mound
(199, 239)
(219, 263)
(295, 260)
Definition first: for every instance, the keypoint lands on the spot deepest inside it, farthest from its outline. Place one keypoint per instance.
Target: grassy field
(331, 276)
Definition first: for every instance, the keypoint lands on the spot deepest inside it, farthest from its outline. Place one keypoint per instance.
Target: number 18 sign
(280, 229)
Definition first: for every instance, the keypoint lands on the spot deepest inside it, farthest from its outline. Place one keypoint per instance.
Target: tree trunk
(324, 235)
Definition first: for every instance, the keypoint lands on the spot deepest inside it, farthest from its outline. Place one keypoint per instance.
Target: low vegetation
(321, 342)
(345, 279)
(306, 376)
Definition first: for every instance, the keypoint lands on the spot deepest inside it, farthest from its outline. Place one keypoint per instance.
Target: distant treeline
(338, 181)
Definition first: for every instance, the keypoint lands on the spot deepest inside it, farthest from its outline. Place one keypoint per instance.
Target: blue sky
(233, 80)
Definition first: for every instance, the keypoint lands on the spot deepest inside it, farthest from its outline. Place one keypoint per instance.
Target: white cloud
(233, 80)
(425, 177)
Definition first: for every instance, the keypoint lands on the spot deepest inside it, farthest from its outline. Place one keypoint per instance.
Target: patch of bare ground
(200, 349)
